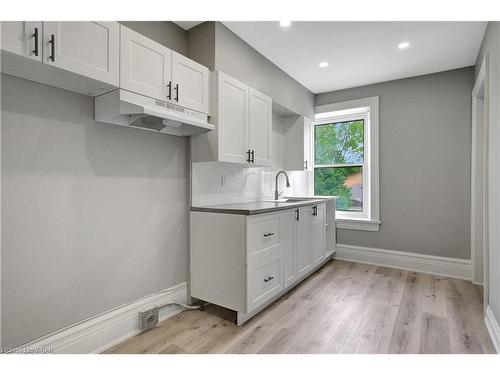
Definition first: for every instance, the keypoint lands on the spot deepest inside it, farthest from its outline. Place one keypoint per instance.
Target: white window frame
(366, 109)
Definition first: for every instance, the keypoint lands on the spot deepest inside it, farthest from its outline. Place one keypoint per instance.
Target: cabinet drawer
(264, 280)
(264, 237)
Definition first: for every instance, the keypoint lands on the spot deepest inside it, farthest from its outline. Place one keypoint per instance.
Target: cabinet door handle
(177, 92)
(268, 234)
(52, 43)
(248, 156)
(35, 38)
(253, 156)
(269, 278)
(297, 215)
(169, 87)
(305, 164)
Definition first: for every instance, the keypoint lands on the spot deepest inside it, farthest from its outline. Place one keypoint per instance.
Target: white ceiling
(361, 53)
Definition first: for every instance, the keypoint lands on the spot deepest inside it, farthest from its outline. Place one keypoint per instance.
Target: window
(345, 158)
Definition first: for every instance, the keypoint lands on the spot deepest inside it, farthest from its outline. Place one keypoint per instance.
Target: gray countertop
(253, 208)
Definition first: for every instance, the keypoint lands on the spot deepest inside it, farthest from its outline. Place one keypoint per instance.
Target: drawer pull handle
(269, 278)
(268, 234)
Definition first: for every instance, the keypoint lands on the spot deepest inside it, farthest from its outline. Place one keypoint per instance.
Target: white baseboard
(443, 266)
(493, 328)
(105, 330)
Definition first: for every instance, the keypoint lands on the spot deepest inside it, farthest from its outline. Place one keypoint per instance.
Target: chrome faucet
(276, 194)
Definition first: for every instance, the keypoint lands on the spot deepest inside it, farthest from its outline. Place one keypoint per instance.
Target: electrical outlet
(148, 318)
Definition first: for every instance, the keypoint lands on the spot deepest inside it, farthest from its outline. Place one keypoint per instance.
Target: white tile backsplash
(241, 184)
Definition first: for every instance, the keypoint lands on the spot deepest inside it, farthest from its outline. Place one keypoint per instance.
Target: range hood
(125, 108)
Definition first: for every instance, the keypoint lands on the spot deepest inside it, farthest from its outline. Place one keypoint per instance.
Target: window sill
(358, 224)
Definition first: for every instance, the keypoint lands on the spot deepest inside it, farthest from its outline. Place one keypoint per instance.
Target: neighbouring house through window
(345, 158)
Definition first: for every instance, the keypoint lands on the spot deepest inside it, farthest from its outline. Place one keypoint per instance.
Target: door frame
(479, 171)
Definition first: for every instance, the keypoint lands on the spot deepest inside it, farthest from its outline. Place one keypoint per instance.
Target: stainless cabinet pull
(315, 211)
(305, 164)
(248, 156)
(268, 234)
(253, 156)
(35, 37)
(177, 92)
(267, 279)
(297, 215)
(52, 43)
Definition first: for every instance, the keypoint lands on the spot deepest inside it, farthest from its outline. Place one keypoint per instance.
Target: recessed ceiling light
(403, 45)
(323, 64)
(285, 23)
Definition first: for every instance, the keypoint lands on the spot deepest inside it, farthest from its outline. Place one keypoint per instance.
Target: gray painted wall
(93, 215)
(163, 32)
(201, 44)
(491, 47)
(425, 136)
(238, 59)
(96, 215)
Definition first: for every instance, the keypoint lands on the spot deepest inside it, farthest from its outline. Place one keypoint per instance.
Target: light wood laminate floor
(343, 308)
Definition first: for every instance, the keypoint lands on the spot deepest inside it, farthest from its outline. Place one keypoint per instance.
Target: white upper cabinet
(190, 83)
(22, 38)
(298, 145)
(259, 127)
(146, 66)
(318, 248)
(76, 56)
(151, 69)
(243, 121)
(89, 48)
(232, 119)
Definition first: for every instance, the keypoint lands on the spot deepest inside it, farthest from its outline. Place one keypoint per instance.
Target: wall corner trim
(103, 331)
(443, 266)
(493, 328)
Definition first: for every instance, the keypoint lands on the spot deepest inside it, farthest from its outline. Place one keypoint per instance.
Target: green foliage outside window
(340, 143)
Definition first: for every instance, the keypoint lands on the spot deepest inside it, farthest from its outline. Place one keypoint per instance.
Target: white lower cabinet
(245, 262)
(265, 280)
(318, 252)
(303, 241)
(289, 247)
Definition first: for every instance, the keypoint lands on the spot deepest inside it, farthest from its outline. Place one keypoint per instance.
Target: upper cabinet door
(87, 48)
(298, 138)
(232, 117)
(190, 83)
(307, 146)
(22, 38)
(318, 248)
(146, 66)
(260, 127)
